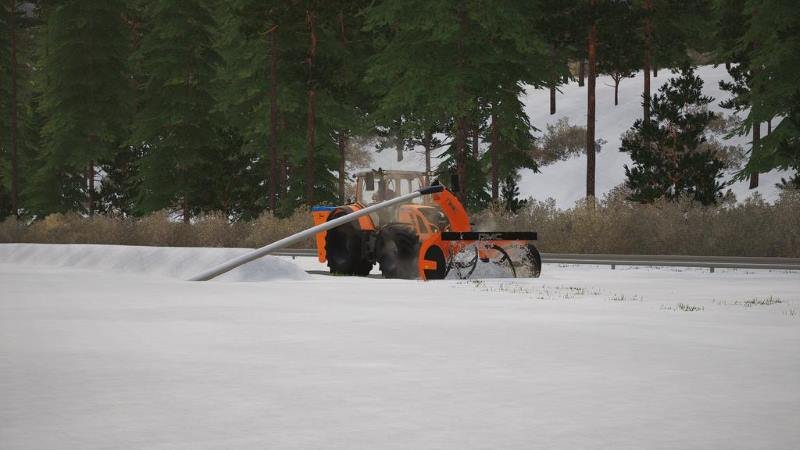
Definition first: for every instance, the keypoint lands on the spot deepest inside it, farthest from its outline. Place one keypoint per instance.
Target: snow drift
(171, 262)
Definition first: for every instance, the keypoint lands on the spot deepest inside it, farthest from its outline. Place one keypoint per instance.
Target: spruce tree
(510, 195)
(669, 158)
(427, 70)
(731, 28)
(174, 124)
(85, 100)
(668, 29)
(774, 37)
(265, 94)
(6, 113)
(557, 26)
(619, 53)
(459, 75)
(19, 130)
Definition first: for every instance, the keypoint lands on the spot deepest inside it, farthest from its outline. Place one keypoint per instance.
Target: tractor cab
(375, 186)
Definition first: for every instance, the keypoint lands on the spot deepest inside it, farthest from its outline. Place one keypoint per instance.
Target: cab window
(422, 227)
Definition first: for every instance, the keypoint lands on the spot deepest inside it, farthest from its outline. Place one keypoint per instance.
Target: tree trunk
(769, 127)
(342, 133)
(590, 110)
(476, 143)
(494, 149)
(461, 155)
(461, 121)
(616, 91)
(756, 140)
(14, 113)
(273, 120)
(648, 42)
(655, 71)
(342, 160)
(427, 142)
(312, 115)
(552, 79)
(90, 188)
(399, 147)
(581, 71)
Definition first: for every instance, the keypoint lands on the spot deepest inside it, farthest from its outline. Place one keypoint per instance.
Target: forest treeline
(247, 106)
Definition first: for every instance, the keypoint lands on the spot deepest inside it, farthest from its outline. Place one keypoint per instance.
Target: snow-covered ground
(565, 181)
(124, 354)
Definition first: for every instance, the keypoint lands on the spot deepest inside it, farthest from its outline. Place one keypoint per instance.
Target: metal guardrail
(710, 262)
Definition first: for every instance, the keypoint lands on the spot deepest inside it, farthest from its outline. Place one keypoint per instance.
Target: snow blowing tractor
(428, 237)
(407, 236)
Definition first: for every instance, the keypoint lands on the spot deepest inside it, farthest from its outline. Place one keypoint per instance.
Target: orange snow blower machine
(430, 238)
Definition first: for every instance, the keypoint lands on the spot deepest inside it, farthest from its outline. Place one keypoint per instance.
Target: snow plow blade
(489, 236)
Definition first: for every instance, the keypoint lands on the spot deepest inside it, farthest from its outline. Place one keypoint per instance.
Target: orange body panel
(364, 222)
(320, 217)
(453, 210)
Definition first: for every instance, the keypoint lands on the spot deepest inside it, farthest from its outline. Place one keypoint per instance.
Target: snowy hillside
(566, 181)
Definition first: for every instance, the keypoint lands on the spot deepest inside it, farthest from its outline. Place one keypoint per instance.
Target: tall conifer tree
(85, 102)
(174, 122)
(774, 37)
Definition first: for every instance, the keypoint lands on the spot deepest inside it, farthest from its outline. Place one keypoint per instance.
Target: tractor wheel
(343, 247)
(535, 261)
(435, 253)
(397, 249)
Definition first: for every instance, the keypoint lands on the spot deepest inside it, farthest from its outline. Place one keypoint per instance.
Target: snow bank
(171, 262)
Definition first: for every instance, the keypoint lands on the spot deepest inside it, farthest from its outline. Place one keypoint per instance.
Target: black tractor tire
(343, 247)
(397, 251)
(435, 253)
(535, 260)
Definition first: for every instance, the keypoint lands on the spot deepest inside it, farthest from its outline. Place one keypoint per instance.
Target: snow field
(584, 357)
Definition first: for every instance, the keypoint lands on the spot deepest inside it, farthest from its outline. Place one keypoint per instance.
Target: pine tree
(423, 69)
(7, 29)
(18, 135)
(669, 158)
(458, 75)
(731, 26)
(619, 53)
(774, 37)
(266, 94)
(668, 29)
(174, 122)
(510, 195)
(557, 26)
(85, 100)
